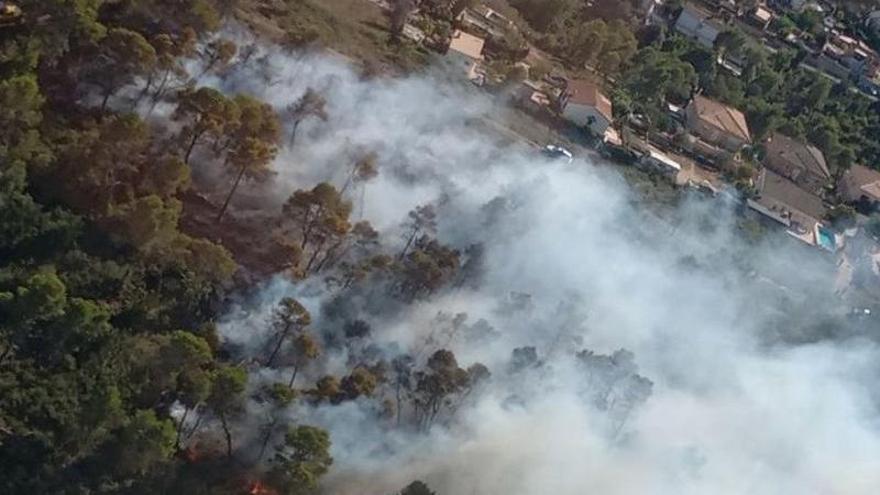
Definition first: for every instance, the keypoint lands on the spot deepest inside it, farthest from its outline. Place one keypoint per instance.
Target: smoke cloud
(748, 394)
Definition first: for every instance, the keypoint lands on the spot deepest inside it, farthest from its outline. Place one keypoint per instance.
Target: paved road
(844, 276)
(690, 171)
(521, 126)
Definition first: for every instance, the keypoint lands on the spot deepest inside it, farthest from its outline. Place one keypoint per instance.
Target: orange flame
(258, 488)
(191, 454)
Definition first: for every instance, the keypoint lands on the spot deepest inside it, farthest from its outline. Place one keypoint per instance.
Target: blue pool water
(826, 239)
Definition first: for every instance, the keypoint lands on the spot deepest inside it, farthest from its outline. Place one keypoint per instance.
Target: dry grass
(354, 28)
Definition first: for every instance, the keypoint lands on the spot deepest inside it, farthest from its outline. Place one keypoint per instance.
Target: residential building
(761, 17)
(698, 25)
(651, 158)
(584, 104)
(869, 81)
(798, 161)
(728, 6)
(853, 53)
(465, 52)
(860, 183)
(486, 20)
(717, 124)
(831, 66)
(653, 14)
(413, 33)
(660, 162)
(782, 200)
(531, 95)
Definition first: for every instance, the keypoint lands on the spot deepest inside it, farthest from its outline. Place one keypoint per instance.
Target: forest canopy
(208, 283)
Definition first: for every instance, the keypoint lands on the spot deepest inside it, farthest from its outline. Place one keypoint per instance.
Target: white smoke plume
(747, 397)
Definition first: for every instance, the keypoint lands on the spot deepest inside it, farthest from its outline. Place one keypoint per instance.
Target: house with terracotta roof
(761, 16)
(852, 52)
(583, 104)
(860, 183)
(717, 123)
(466, 52)
(782, 200)
(798, 161)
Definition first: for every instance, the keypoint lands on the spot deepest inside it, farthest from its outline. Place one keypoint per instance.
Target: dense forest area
(168, 324)
(113, 378)
(106, 305)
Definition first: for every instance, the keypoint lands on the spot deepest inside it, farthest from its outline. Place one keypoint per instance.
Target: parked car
(556, 80)
(638, 122)
(706, 162)
(557, 152)
(703, 187)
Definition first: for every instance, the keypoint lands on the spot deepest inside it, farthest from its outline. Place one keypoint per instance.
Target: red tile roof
(467, 44)
(584, 92)
(779, 194)
(784, 154)
(721, 116)
(862, 179)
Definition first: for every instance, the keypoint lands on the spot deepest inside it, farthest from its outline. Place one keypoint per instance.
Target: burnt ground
(355, 29)
(251, 240)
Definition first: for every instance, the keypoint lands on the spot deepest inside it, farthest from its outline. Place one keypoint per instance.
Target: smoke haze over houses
(747, 394)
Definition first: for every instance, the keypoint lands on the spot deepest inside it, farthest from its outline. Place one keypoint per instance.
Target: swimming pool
(826, 239)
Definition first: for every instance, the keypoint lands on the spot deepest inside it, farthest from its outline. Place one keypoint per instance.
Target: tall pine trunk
(409, 242)
(144, 92)
(195, 427)
(106, 99)
(180, 429)
(293, 376)
(293, 132)
(314, 255)
(398, 403)
(309, 226)
(192, 145)
(281, 338)
(267, 436)
(227, 434)
(231, 192)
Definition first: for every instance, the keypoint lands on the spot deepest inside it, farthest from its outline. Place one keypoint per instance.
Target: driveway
(690, 171)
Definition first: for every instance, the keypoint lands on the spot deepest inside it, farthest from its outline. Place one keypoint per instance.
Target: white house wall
(460, 61)
(580, 115)
(770, 213)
